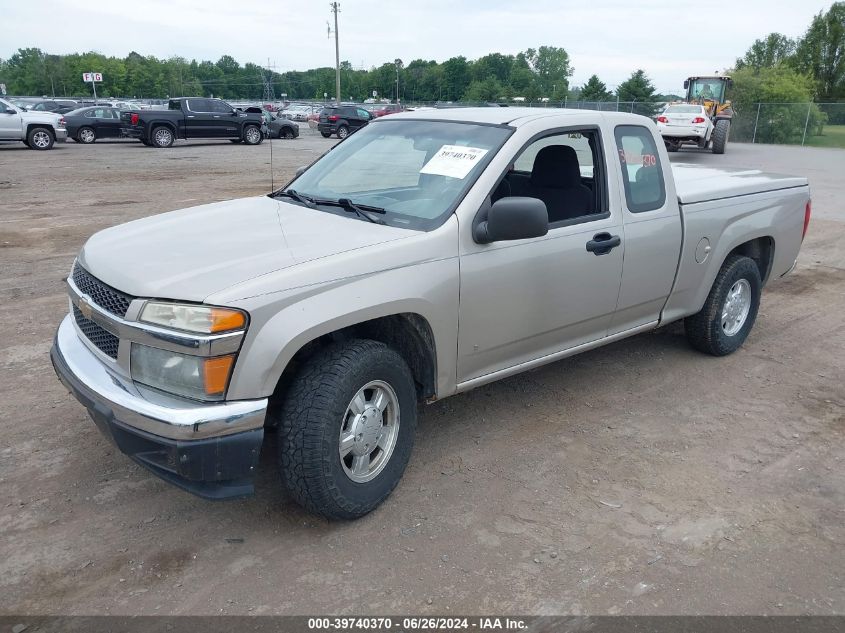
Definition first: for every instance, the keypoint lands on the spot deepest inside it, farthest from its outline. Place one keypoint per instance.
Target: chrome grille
(105, 341)
(102, 294)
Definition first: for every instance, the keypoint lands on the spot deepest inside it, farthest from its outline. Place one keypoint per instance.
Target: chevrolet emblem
(85, 308)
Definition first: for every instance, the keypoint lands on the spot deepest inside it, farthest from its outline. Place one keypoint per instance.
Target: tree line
(532, 74)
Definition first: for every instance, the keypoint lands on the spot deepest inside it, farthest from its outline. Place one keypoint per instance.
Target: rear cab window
(642, 171)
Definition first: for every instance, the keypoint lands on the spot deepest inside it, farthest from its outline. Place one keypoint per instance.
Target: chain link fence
(816, 124)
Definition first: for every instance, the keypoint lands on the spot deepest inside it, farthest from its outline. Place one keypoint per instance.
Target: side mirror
(686, 84)
(513, 218)
(301, 170)
(10, 111)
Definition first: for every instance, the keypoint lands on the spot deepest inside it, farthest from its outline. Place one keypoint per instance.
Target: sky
(669, 39)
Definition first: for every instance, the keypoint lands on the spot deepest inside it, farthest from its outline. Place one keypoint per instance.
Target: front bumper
(208, 449)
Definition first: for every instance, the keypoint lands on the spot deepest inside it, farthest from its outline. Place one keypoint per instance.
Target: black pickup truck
(193, 117)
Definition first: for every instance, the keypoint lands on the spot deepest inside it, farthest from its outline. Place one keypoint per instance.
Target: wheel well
(45, 126)
(407, 333)
(761, 250)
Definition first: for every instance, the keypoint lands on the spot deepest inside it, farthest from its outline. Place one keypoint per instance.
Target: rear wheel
(252, 135)
(719, 139)
(285, 132)
(162, 137)
(326, 134)
(86, 135)
(342, 132)
(672, 146)
(347, 428)
(40, 138)
(729, 312)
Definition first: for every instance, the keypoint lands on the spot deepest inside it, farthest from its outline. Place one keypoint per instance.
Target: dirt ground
(641, 478)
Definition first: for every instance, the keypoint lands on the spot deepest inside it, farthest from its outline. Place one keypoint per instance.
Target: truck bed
(697, 183)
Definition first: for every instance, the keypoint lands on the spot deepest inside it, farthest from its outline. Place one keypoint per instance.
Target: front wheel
(286, 132)
(326, 134)
(719, 138)
(86, 135)
(40, 138)
(347, 428)
(729, 312)
(252, 135)
(342, 132)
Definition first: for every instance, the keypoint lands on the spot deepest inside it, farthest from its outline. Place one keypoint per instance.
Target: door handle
(216, 116)
(603, 243)
(190, 116)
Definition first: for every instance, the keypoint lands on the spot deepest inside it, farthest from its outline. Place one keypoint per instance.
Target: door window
(642, 172)
(199, 105)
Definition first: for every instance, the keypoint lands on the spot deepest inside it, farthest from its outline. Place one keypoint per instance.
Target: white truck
(425, 255)
(37, 130)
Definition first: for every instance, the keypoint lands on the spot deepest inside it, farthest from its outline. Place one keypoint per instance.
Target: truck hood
(190, 254)
(40, 117)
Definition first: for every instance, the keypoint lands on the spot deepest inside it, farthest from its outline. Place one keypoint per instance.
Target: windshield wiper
(294, 195)
(361, 210)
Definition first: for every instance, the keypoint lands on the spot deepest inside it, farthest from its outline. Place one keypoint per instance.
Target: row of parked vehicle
(41, 123)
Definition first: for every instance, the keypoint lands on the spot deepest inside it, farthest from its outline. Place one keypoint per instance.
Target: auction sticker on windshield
(454, 161)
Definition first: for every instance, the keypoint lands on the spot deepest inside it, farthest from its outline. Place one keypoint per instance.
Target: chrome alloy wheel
(87, 135)
(736, 308)
(163, 137)
(41, 139)
(368, 431)
(253, 135)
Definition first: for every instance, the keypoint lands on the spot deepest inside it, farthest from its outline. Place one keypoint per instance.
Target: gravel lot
(641, 478)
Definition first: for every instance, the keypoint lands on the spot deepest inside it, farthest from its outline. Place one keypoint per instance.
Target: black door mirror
(686, 84)
(513, 218)
(9, 111)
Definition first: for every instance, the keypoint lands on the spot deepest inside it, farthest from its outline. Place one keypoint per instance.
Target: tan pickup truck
(425, 255)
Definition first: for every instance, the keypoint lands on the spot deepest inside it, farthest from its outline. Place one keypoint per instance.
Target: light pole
(335, 8)
(398, 63)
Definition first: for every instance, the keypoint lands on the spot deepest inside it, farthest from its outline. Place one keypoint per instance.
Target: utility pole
(335, 8)
(398, 63)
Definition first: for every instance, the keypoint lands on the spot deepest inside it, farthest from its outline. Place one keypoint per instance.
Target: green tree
(456, 76)
(595, 90)
(770, 51)
(639, 90)
(784, 97)
(821, 52)
(490, 89)
(552, 67)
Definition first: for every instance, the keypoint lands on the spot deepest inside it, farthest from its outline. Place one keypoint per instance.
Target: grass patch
(831, 136)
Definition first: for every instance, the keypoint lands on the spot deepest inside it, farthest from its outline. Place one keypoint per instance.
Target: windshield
(417, 171)
(707, 89)
(683, 109)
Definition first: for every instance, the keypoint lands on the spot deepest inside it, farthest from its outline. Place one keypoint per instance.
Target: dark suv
(342, 120)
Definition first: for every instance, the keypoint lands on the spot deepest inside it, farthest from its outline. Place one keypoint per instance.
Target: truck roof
(505, 116)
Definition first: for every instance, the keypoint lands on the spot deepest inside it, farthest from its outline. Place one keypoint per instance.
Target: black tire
(705, 330)
(252, 135)
(719, 138)
(286, 132)
(162, 137)
(40, 138)
(342, 132)
(86, 135)
(326, 134)
(673, 147)
(311, 419)
(146, 142)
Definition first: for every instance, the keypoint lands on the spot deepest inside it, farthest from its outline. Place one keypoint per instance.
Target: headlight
(193, 318)
(196, 377)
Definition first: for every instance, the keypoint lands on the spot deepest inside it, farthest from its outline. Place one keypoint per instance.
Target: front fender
(294, 318)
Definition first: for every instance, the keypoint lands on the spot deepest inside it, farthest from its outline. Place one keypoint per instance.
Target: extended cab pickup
(427, 254)
(193, 117)
(36, 130)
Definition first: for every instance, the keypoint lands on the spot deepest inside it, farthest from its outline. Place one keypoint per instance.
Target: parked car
(684, 124)
(86, 125)
(429, 254)
(190, 118)
(37, 130)
(342, 120)
(57, 106)
(385, 109)
(280, 127)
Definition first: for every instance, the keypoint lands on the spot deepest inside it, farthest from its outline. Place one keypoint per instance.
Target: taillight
(698, 119)
(807, 211)
(332, 117)
(133, 118)
(662, 119)
(61, 121)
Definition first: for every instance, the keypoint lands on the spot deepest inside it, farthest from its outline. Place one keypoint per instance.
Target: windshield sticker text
(454, 161)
